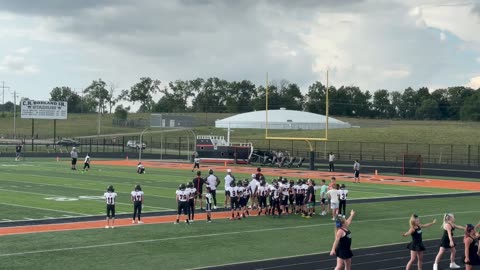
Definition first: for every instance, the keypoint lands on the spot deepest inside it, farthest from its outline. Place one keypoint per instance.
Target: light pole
(188, 143)
(15, 114)
(141, 144)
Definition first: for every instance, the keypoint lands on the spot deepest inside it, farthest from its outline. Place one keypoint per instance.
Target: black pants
(137, 210)
(214, 196)
(331, 166)
(341, 207)
(276, 205)
(191, 209)
(86, 165)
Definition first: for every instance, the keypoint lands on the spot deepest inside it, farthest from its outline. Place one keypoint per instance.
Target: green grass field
(41, 189)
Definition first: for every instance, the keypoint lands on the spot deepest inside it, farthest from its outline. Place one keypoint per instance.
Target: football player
(137, 199)
(198, 184)
(275, 193)
(182, 200)
(208, 205)
(246, 196)
(232, 190)
(262, 197)
(110, 197)
(191, 201)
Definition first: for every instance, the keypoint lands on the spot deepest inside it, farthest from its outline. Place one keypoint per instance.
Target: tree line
(214, 95)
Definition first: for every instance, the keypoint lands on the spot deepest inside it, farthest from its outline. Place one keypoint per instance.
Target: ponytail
(446, 218)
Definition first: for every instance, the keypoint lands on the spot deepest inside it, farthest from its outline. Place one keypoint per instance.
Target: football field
(47, 192)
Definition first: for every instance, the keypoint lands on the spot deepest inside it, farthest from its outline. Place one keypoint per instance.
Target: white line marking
(28, 218)
(6, 219)
(45, 209)
(213, 235)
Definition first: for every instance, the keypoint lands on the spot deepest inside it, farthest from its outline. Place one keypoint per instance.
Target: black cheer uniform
(445, 241)
(417, 242)
(472, 253)
(344, 250)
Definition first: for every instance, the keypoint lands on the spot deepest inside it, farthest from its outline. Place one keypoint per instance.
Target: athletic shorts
(227, 193)
(242, 202)
(234, 203)
(334, 205)
(198, 194)
(182, 206)
(323, 201)
(111, 210)
(208, 207)
(285, 200)
(74, 161)
(357, 174)
(262, 201)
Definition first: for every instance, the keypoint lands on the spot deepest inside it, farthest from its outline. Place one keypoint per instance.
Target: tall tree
(212, 96)
(396, 98)
(143, 92)
(111, 100)
(471, 108)
(97, 90)
(64, 93)
(429, 110)
(315, 99)
(381, 106)
(291, 96)
(409, 104)
(441, 97)
(456, 98)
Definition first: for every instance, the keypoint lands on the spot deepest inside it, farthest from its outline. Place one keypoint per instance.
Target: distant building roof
(280, 119)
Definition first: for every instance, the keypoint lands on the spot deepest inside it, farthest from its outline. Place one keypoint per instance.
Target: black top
(198, 183)
(311, 191)
(417, 236)
(344, 250)
(445, 241)
(472, 253)
(18, 148)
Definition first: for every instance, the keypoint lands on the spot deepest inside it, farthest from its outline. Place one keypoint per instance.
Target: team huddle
(280, 197)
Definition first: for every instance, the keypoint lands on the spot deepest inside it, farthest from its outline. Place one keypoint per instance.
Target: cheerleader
(448, 227)
(343, 242)
(470, 241)
(416, 247)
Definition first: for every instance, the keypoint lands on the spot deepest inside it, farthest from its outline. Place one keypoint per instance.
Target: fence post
(407, 149)
(179, 148)
(468, 149)
(361, 151)
(269, 146)
(428, 153)
(384, 152)
(104, 144)
(338, 149)
(123, 144)
(90, 146)
(451, 153)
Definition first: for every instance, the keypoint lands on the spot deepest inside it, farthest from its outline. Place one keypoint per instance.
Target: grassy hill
(371, 130)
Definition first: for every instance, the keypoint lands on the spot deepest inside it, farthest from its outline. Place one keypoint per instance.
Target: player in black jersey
(198, 183)
(343, 242)
(447, 242)
(470, 240)
(416, 247)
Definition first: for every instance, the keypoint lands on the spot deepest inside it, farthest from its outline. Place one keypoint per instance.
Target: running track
(390, 257)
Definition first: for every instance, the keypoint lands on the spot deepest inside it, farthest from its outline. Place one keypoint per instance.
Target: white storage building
(281, 119)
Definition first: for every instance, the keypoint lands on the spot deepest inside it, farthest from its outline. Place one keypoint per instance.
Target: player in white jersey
(304, 188)
(241, 198)
(253, 186)
(246, 197)
(182, 200)
(284, 196)
(296, 192)
(342, 196)
(275, 193)
(262, 197)
(137, 199)
(208, 205)
(191, 201)
(110, 197)
(86, 163)
(232, 190)
(228, 179)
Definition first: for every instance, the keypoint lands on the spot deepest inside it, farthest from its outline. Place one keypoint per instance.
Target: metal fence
(454, 154)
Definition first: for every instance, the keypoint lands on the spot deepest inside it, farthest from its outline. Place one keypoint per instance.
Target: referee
(74, 156)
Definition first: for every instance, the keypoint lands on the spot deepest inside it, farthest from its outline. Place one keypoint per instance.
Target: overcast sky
(374, 44)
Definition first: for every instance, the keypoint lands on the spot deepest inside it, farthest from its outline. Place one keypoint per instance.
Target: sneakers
(454, 266)
(435, 266)
(140, 222)
(133, 221)
(106, 227)
(111, 227)
(215, 207)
